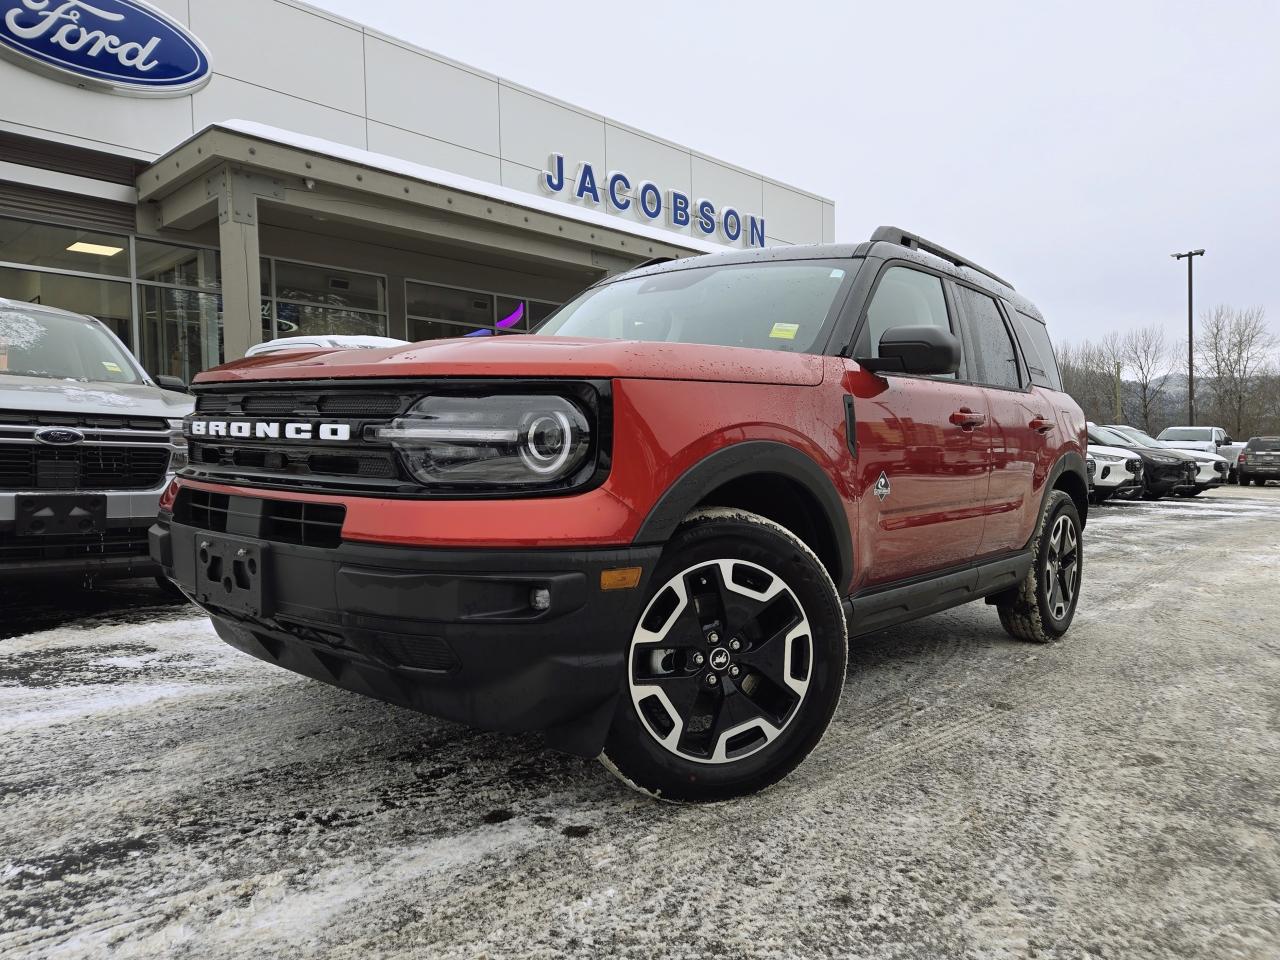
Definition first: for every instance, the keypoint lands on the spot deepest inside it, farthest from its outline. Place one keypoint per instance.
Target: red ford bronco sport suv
(649, 528)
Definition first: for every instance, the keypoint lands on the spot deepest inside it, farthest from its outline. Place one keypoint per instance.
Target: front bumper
(1166, 478)
(1115, 476)
(449, 632)
(118, 549)
(1211, 475)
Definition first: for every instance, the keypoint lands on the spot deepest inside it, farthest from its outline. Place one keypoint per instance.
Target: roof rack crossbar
(913, 241)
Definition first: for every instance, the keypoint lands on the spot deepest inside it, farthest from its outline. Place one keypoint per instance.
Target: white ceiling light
(97, 249)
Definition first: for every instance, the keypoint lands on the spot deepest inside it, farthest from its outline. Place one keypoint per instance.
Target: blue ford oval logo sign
(59, 436)
(121, 46)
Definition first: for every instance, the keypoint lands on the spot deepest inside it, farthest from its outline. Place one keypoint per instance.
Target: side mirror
(177, 384)
(1226, 443)
(922, 349)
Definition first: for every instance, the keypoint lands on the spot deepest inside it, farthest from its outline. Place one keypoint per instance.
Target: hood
(71, 396)
(1193, 446)
(532, 356)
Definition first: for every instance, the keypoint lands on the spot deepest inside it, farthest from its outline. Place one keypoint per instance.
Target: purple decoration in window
(512, 320)
(479, 333)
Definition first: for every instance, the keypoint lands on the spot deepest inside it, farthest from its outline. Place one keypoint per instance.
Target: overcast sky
(1069, 147)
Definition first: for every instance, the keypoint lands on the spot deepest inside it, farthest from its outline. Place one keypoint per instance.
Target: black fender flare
(740, 460)
(1069, 462)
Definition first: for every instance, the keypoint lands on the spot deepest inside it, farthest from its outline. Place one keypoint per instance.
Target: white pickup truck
(87, 443)
(1205, 440)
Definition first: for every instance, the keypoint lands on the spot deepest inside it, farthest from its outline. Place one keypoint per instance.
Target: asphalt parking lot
(1113, 795)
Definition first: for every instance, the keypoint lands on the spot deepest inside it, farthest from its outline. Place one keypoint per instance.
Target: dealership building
(205, 174)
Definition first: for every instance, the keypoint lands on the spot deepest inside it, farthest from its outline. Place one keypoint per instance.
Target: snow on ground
(1113, 795)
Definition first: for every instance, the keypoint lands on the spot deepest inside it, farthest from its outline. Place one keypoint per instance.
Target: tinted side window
(904, 297)
(995, 357)
(1041, 363)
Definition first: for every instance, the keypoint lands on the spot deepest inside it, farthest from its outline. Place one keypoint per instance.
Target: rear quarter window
(1041, 362)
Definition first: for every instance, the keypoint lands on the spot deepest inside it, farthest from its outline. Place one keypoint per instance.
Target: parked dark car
(1164, 471)
(1260, 461)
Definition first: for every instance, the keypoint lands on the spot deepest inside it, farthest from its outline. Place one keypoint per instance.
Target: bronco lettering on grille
(268, 429)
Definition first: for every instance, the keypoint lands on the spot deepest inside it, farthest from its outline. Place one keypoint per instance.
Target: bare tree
(1089, 375)
(1235, 350)
(1149, 358)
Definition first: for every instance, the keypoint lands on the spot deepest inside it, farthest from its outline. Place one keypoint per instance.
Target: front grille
(374, 464)
(354, 403)
(280, 521)
(130, 542)
(91, 421)
(31, 467)
(339, 466)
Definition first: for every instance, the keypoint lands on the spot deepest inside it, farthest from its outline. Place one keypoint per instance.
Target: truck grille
(321, 466)
(31, 467)
(281, 521)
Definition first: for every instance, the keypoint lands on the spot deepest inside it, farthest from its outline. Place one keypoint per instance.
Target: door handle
(1041, 425)
(966, 419)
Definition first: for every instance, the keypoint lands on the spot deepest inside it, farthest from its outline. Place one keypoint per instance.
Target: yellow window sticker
(784, 331)
(111, 366)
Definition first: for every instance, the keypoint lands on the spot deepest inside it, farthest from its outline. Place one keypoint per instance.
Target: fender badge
(882, 489)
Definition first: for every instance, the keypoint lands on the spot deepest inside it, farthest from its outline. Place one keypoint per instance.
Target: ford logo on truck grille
(119, 46)
(59, 436)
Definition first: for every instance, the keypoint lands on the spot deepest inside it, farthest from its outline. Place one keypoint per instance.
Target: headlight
(1158, 458)
(502, 440)
(1106, 458)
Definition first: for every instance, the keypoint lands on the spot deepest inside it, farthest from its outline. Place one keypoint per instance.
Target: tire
(1193, 492)
(728, 577)
(1040, 609)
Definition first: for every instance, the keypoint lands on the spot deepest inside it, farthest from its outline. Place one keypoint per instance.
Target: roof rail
(915, 242)
(652, 262)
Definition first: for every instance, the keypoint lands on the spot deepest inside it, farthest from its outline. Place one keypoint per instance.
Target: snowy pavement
(1114, 795)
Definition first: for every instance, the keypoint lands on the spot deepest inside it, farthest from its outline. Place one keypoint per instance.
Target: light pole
(1190, 256)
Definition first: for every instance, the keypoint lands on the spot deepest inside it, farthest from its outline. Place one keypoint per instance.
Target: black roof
(886, 243)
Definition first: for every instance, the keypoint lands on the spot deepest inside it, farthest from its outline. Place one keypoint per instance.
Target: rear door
(1023, 426)
(923, 449)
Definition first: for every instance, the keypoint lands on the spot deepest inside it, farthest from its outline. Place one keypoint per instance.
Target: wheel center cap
(719, 658)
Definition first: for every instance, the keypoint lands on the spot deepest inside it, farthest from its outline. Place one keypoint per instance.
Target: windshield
(1137, 436)
(1108, 438)
(1187, 433)
(783, 305)
(60, 347)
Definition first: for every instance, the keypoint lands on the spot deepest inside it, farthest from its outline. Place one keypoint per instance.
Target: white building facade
(203, 174)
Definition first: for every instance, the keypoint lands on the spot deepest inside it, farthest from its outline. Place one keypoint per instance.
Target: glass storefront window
(539, 311)
(105, 299)
(298, 320)
(430, 302)
(63, 248)
(329, 287)
(435, 312)
(181, 266)
(181, 331)
(420, 330)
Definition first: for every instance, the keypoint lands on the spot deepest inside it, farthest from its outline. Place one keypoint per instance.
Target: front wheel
(736, 665)
(1041, 608)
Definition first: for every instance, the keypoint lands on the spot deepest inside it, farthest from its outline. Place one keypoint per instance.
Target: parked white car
(333, 342)
(1118, 472)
